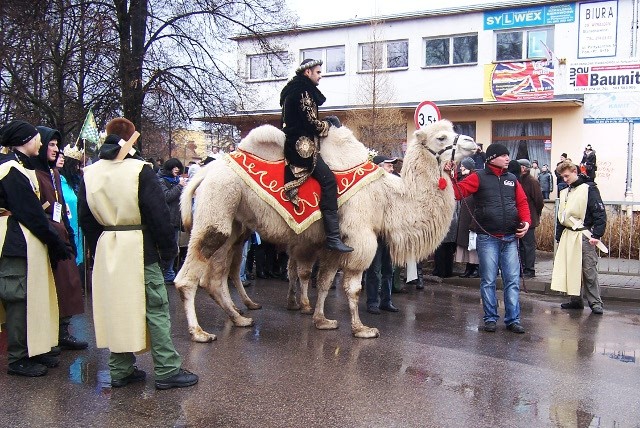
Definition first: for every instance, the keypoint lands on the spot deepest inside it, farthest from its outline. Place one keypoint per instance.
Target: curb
(544, 287)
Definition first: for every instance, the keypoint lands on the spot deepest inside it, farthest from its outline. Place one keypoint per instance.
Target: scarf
(299, 84)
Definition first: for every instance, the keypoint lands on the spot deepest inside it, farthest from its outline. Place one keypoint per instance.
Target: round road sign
(426, 113)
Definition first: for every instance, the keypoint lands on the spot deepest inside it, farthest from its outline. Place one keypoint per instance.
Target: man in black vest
(300, 99)
(502, 214)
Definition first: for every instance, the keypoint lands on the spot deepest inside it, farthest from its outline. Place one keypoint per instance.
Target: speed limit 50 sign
(426, 113)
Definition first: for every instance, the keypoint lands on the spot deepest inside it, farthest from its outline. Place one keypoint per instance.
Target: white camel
(412, 213)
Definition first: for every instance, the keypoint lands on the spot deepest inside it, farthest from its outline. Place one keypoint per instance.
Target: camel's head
(440, 139)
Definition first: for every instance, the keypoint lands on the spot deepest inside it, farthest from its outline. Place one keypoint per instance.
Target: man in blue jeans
(502, 214)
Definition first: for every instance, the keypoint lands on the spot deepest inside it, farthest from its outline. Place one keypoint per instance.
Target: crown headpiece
(73, 152)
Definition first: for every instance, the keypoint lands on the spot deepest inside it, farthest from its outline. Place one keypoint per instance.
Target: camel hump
(265, 142)
(340, 149)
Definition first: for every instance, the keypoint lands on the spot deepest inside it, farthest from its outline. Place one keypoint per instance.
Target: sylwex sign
(529, 16)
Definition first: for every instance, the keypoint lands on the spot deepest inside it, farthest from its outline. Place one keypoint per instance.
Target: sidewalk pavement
(622, 282)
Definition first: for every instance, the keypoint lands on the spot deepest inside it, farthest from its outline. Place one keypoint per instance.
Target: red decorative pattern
(266, 178)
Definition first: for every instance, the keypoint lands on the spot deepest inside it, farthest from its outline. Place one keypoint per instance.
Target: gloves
(58, 251)
(333, 121)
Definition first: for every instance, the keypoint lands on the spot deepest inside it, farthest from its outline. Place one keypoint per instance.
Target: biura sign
(609, 76)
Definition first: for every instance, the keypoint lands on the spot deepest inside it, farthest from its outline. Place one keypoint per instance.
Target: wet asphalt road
(431, 367)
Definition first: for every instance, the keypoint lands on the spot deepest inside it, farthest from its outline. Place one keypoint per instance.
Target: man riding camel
(300, 100)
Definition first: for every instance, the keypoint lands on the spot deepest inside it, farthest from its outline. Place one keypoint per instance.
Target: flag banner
(89, 129)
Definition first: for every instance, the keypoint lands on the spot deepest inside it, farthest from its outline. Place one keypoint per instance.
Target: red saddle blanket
(266, 179)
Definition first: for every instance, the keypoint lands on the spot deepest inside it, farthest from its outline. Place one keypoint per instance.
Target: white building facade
(541, 77)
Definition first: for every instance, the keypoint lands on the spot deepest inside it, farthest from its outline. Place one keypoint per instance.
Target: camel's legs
(234, 274)
(352, 286)
(326, 272)
(186, 283)
(304, 273)
(292, 268)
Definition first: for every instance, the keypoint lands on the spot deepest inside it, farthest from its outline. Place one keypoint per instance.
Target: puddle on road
(103, 386)
(79, 371)
(616, 353)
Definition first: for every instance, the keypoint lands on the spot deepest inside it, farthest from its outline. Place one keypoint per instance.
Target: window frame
(525, 49)
(324, 49)
(450, 39)
(270, 76)
(385, 56)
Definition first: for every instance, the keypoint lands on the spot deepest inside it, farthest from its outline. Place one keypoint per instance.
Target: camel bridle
(444, 149)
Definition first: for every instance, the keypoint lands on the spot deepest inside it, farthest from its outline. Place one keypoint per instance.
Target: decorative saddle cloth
(266, 178)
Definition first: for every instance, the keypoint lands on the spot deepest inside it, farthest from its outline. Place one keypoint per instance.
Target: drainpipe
(634, 53)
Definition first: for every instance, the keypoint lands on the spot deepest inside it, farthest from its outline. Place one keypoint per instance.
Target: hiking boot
(135, 376)
(46, 360)
(490, 326)
(26, 367)
(181, 379)
(572, 305)
(516, 328)
(596, 308)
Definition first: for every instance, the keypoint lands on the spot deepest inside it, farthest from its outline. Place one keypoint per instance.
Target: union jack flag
(516, 81)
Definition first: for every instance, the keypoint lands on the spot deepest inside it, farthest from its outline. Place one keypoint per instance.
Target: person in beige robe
(575, 267)
(123, 214)
(28, 302)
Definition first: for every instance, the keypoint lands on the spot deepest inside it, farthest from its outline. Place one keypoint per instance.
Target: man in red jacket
(502, 214)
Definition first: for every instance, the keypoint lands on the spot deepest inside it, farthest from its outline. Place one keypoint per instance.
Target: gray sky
(313, 12)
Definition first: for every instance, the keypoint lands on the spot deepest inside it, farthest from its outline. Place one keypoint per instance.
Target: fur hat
(468, 163)
(307, 64)
(121, 127)
(494, 150)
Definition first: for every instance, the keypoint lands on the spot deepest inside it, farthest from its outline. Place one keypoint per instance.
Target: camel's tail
(186, 198)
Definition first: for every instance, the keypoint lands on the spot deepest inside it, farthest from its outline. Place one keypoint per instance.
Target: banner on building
(529, 16)
(618, 107)
(599, 76)
(519, 81)
(598, 29)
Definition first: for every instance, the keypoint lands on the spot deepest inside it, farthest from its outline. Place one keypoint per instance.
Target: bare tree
(380, 126)
(175, 48)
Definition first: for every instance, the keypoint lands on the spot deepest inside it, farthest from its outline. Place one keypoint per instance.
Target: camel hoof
(241, 321)
(325, 324)
(293, 306)
(366, 333)
(201, 336)
(307, 310)
(252, 306)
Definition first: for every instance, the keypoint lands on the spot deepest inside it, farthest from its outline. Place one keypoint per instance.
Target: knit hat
(17, 133)
(468, 163)
(494, 150)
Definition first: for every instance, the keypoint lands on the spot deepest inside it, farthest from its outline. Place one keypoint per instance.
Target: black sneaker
(55, 351)
(597, 309)
(516, 328)
(135, 376)
(572, 305)
(72, 343)
(46, 360)
(181, 379)
(490, 326)
(26, 367)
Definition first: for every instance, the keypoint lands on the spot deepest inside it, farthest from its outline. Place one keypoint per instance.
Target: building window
(524, 44)
(384, 55)
(454, 50)
(465, 128)
(332, 57)
(524, 139)
(270, 66)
